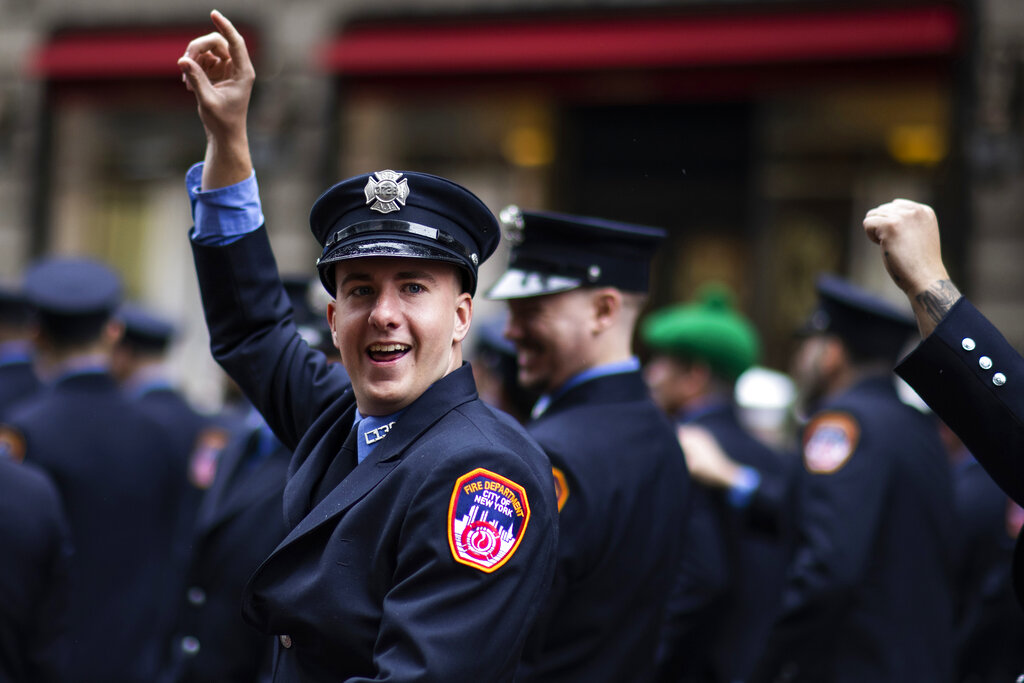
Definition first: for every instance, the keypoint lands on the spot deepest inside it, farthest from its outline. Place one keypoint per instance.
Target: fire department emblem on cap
(385, 192)
(512, 224)
(487, 518)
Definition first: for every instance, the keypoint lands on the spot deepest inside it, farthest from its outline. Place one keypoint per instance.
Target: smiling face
(399, 325)
(553, 335)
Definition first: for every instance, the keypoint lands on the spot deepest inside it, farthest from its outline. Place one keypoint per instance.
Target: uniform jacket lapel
(320, 446)
(439, 399)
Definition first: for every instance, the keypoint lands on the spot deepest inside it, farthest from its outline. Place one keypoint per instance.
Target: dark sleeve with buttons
(974, 380)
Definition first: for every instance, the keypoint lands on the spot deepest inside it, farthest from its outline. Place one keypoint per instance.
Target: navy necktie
(343, 463)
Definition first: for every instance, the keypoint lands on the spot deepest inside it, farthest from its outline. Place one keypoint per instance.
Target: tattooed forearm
(938, 299)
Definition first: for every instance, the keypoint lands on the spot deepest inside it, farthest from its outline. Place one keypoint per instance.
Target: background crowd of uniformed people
(134, 521)
(847, 536)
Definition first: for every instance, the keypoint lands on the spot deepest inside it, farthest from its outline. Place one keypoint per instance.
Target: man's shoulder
(27, 484)
(599, 421)
(474, 441)
(475, 423)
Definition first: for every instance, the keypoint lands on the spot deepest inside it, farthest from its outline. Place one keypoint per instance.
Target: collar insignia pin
(374, 435)
(385, 192)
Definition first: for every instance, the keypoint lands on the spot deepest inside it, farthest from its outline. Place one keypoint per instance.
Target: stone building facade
(757, 132)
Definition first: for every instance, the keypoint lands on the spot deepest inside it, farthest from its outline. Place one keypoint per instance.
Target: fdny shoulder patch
(1014, 519)
(12, 444)
(829, 442)
(561, 487)
(202, 463)
(487, 519)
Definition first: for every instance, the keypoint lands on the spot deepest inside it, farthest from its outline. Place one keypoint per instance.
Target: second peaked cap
(555, 252)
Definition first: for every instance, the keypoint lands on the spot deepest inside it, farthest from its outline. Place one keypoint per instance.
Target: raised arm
(252, 333)
(217, 69)
(908, 234)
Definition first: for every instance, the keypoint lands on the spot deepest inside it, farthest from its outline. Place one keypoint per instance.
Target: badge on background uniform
(12, 444)
(561, 487)
(1014, 519)
(487, 519)
(829, 442)
(202, 463)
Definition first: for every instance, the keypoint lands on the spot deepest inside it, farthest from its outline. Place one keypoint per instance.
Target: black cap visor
(391, 238)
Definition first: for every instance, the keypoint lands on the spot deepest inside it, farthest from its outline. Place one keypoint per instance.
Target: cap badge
(386, 192)
(513, 227)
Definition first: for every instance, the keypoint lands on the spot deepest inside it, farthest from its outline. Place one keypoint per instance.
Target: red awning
(642, 42)
(115, 54)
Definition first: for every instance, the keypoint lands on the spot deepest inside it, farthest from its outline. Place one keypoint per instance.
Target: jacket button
(968, 344)
(985, 362)
(190, 645)
(999, 379)
(286, 641)
(196, 596)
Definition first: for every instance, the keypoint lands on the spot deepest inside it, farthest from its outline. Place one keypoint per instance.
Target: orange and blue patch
(487, 519)
(829, 441)
(12, 444)
(561, 487)
(202, 463)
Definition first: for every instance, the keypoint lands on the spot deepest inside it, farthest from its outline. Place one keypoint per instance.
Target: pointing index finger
(236, 43)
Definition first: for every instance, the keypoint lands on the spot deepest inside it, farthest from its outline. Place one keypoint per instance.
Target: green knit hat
(708, 329)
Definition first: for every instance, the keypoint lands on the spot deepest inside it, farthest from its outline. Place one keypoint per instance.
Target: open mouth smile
(383, 353)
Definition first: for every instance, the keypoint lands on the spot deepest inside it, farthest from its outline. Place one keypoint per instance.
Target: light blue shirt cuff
(741, 492)
(223, 215)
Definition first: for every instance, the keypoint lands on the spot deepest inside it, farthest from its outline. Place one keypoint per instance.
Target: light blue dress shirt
(225, 214)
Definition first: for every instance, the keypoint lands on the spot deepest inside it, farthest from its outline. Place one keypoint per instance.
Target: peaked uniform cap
(867, 323)
(297, 288)
(145, 328)
(311, 324)
(708, 329)
(403, 214)
(72, 297)
(554, 252)
(72, 287)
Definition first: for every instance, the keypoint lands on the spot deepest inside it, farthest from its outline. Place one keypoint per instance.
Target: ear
(330, 323)
(700, 373)
(834, 358)
(112, 332)
(606, 302)
(463, 316)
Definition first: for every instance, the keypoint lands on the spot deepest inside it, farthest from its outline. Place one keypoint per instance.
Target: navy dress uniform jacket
(869, 592)
(365, 586)
(116, 480)
(36, 548)
(182, 424)
(622, 528)
(758, 540)
(239, 523)
(974, 380)
(989, 622)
